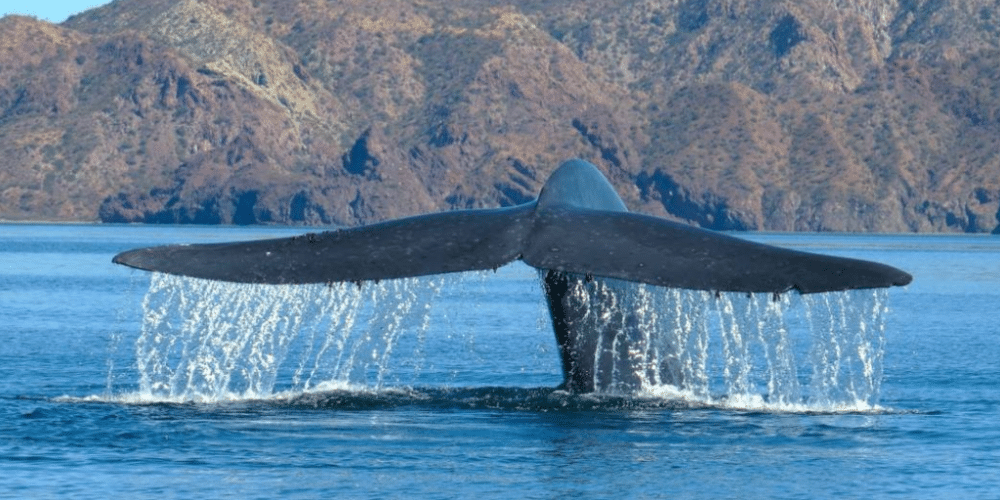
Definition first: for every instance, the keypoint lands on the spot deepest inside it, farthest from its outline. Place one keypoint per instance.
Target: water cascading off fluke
(788, 351)
(210, 341)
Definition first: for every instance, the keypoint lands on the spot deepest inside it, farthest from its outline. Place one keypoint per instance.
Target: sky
(55, 11)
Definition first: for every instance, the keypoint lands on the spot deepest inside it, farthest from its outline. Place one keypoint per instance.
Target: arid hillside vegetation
(830, 115)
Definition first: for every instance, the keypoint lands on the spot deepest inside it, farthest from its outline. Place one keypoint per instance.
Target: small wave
(344, 396)
(756, 403)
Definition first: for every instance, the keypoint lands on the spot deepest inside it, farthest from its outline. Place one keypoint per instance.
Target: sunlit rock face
(847, 115)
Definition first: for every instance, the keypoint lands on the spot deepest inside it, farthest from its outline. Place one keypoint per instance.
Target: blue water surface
(472, 413)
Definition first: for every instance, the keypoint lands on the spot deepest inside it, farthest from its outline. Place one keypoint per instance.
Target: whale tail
(577, 225)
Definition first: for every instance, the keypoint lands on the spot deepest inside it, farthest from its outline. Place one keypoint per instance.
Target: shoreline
(764, 232)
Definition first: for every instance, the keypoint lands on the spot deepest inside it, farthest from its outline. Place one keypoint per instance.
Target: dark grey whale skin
(578, 228)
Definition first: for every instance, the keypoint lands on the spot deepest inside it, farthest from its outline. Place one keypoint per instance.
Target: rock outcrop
(829, 115)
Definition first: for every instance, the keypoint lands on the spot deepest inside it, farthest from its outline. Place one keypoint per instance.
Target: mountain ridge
(846, 115)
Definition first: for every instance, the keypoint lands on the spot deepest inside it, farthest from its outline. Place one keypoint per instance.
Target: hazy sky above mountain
(55, 11)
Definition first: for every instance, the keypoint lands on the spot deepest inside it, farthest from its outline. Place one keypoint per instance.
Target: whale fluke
(577, 225)
(655, 251)
(465, 240)
(577, 229)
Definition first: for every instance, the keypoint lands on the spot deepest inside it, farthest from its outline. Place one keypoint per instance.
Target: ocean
(116, 383)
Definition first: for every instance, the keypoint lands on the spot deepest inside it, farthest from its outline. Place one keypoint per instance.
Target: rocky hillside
(844, 115)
